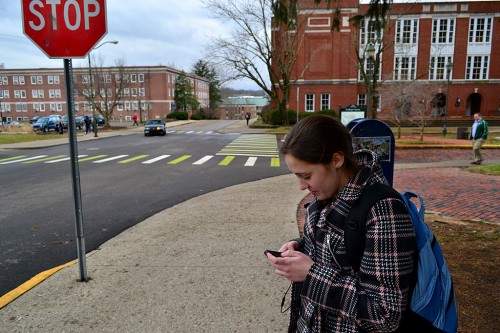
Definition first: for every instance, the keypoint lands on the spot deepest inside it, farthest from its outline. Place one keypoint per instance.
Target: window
(133, 77)
(438, 68)
(18, 79)
(59, 107)
(407, 31)
(127, 106)
(362, 99)
(5, 107)
(443, 31)
(126, 92)
(17, 94)
(141, 77)
(42, 107)
(134, 91)
(6, 94)
(52, 107)
(4, 80)
(480, 30)
(119, 107)
(52, 93)
(23, 93)
(56, 79)
(58, 93)
(33, 80)
(404, 68)
(142, 92)
(368, 33)
(135, 105)
(325, 101)
(85, 79)
(309, 102)
(477, 68)
(34, 93)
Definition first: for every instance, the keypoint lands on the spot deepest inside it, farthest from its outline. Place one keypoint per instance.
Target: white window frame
(477, 35)
(474, 72)
(309, 102)
(140, 77)
(443, 30)
(407, 26)
(404, 68)
(325, 101)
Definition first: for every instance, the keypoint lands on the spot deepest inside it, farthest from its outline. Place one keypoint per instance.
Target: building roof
(247, 100)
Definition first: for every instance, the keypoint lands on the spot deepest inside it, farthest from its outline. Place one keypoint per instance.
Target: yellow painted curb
(12, 295)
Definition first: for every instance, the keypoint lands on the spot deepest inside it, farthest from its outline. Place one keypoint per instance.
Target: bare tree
(410, 101)
(248, 52)
(102, 87)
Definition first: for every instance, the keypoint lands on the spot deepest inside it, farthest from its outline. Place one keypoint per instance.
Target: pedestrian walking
(327, 295)
(479, 134)
(61, 126)
(135, 120)
(88, 123)
(247, 117)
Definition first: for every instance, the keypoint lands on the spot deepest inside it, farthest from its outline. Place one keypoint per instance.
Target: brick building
(235, 108)
(25, 93)
(424, 43)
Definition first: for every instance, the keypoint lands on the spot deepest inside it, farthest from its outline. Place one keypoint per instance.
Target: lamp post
(449, 66)
(370, 51)
(91, 84)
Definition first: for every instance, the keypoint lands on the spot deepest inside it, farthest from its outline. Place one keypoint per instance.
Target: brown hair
(316, 138)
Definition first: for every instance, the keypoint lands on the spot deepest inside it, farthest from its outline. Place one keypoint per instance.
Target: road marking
(180, 159)
(156, 159)
(251, 161)
(203, 160)
(133, 159)
(91, 158)
(44, 159)
(25, 159)
(263, 145)
(275, 162)
(227, 160)
(64, 159)
(11, 158)
(110, 158)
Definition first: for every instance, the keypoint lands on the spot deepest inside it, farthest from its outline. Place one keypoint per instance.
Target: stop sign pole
(65, 30)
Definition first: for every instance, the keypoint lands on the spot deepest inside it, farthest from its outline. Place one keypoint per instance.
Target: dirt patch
(471, 250)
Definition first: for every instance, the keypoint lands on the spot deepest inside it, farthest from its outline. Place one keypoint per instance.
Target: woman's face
(323, 180)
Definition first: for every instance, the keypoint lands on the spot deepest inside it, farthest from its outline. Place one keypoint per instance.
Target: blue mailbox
(376, 136)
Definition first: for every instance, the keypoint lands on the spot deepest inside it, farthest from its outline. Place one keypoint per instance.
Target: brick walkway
(453, 192)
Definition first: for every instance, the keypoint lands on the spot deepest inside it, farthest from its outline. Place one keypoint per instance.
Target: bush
(179, 115)
(198, 117)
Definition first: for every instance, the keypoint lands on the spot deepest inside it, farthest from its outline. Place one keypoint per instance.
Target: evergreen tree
(204, 69)
(184, 94)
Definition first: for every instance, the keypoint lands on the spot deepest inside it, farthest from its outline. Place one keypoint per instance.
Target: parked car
(34, 119)
(46, 124)
(155, 126)
(99, 117)
(78, 122)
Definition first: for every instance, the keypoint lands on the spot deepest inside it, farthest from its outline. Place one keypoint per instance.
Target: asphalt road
(123, 181)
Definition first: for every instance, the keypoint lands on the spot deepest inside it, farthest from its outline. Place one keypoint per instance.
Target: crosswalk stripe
(156, 159)
(251, 161)
(25, 159)
(227, 160)
(44, 159)
(133, 159)
(180, 159)
(91, 158)
(203, 160)
(110, 159)
(275, 162)
(64, 159)
(11, 158)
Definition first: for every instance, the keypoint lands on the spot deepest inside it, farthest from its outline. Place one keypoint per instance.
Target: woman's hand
(292, 264)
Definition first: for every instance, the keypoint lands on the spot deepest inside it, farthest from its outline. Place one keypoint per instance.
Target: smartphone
(273, 253)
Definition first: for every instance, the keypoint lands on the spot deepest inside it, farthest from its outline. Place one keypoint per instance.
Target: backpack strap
(355, 224)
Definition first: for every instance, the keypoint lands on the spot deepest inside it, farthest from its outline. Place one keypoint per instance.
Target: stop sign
(64, 28)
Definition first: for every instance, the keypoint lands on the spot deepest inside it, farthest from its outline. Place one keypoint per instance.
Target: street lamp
(370, 51)
(449, 66)
(91, 92)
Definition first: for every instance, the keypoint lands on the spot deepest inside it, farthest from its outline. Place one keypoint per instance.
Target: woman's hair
(316, 138)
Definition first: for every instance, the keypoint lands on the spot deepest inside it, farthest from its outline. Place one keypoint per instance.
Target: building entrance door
(473, 104)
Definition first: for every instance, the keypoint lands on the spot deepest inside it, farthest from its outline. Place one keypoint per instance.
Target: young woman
(328, 295)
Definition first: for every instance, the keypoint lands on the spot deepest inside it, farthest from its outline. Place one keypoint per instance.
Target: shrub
(179, 115)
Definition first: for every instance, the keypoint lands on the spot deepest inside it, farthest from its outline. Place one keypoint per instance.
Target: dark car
(155, 126)
(34, 119)
(46, 124)
(78, 122)
(99, 118)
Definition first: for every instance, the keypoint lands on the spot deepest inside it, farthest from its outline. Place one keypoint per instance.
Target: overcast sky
(150, 32)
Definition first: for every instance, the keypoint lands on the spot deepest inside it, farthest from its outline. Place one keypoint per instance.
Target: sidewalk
(195, 267)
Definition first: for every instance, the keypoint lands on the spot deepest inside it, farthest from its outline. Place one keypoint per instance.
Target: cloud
(149, 32)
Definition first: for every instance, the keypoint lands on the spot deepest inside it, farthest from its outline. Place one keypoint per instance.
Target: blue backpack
(432, 306)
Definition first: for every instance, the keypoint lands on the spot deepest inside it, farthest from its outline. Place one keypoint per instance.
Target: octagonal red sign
(64, 28)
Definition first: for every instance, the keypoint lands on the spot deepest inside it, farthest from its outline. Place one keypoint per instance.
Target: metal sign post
(75, 170)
